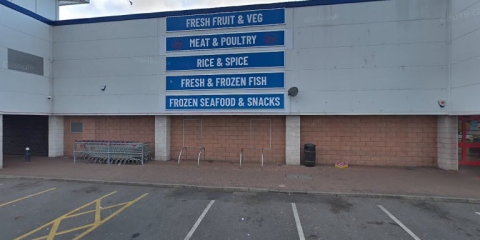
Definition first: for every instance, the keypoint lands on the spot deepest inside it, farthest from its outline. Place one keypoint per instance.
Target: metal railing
(112, 152)
(241, 155)
(202, 149)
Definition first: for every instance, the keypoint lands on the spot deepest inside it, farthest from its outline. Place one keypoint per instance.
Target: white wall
(465, 56)
(23, 92)
(121, 55)
(378, 57)
(385, 57)
(44, 8)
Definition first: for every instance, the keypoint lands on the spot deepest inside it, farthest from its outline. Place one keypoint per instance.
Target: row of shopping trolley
(112, 152)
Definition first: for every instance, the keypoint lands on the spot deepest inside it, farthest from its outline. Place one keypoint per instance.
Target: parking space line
(297, 221)
(29, 196)
(477, 213)
(189, 235)
(90, 227)
(399, 223)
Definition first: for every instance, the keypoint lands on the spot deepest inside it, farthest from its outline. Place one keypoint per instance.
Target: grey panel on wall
(24, 62)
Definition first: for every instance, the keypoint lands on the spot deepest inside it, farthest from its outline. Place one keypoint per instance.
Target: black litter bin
(309, 154)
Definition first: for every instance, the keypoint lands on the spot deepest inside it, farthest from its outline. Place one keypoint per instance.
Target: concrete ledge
(256, 190)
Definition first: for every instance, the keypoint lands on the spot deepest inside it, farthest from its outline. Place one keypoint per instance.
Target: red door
(469, 140)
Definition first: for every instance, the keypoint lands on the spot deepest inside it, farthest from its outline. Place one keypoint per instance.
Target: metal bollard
(27, 154)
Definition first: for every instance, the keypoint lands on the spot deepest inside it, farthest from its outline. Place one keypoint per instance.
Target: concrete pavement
(356, 180)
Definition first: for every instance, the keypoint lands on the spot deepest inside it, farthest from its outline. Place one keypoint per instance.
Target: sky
(99, 8)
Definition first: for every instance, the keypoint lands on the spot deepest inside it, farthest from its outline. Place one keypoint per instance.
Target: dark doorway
(21, 131)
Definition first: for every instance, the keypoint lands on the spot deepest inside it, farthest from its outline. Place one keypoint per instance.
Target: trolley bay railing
(112, 152)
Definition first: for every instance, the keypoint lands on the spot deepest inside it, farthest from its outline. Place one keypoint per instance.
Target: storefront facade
(379, 83)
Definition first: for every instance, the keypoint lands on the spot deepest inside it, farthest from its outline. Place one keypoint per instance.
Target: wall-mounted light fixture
(293, 91)
(442, 103)
(103, 88)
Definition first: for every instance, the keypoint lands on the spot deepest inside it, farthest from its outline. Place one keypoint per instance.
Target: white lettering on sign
(257, 81)
(183, 102)
(231, 82)
(205, 63)
(255, 18)
(198, 22)
(263, 101)
(199, 42)
(193, 83)
(217, 102)
(236, 61)
(238, 40)
(224, 20)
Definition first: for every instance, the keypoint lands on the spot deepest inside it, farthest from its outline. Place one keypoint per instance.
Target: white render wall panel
(369, 12)
(465, 99)
(124, 85)
(25, 24)
(369, 102)
(30, 83)
(108, 104)
(106, 30)
(465, 61)
(389, 54)
(28, 4)
(133, 66)
(111, 48)
(400, 78)
(47, 8)
(380, 33)
(20, 92)
(21, 41)
(462, 49)
(460, 5)
(465, 21)
(466, 73)
(419, 54)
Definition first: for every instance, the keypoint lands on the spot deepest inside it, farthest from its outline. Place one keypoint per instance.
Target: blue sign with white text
(234, 40)
(225, 61)
(226, 20)
(226, 81)
(238, 102)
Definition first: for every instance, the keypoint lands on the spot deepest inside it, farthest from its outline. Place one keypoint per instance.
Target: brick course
(372, 140)
(224, 136)
(113, 128)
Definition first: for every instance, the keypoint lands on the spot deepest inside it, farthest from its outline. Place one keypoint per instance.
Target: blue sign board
(225, 61)
(219, 41)
(226, 81)
(226, 20)
(237, 102)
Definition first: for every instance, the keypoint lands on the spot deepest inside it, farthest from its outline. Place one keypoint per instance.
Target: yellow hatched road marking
(74, 213)
(29, 196)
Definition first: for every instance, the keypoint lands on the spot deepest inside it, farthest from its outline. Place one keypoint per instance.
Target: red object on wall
(463, 143)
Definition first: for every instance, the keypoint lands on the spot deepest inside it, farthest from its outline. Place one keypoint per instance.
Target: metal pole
(27, 154)
(262, 158)
(241, 152)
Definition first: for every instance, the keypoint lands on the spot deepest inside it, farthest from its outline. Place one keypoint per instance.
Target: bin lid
(310, 146)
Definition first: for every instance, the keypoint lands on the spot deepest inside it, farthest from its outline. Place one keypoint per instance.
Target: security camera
(49, 97)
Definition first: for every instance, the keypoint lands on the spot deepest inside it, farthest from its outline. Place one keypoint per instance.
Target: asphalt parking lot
(58, 210)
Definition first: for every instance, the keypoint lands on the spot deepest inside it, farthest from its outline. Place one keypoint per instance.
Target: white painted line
(189, 235)
(477, 213)
(297, 221)
(399, 223)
